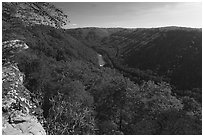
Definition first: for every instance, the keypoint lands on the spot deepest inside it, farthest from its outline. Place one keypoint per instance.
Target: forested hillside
(74, 95)
(171, 54)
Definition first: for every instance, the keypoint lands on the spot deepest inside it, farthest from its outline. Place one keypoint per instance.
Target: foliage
(79, 97)
(30, 13)
(68, 116)
(177, 122)
(98, 100)
(159, 97)
(172, 53)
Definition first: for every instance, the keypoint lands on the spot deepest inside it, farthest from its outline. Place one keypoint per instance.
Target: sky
(132, 14)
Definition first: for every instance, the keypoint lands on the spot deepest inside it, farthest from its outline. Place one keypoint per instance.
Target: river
(101, 61)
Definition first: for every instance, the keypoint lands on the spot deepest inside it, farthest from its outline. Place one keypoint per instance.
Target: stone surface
(17, 107)
(10, 48)
(21, 124)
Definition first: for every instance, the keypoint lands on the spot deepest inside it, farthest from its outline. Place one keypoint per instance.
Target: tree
(31, 13)
(158, 97)
(145, 104)
(71, 111)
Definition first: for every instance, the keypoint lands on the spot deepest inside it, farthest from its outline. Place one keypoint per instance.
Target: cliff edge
(18, 109)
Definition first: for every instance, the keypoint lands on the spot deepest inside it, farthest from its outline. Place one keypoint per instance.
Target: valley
(97, 80)
(171, 52)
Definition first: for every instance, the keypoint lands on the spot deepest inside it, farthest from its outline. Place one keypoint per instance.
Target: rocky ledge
(17, 107)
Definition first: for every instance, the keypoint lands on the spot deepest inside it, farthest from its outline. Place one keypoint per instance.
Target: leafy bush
(68, 116)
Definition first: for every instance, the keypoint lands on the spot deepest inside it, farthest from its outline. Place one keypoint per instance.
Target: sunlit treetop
(31, 13)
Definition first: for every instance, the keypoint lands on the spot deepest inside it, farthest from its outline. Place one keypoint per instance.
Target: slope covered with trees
(172, 54)
(77, 96)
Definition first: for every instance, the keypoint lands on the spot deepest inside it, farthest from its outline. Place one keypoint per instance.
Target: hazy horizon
(136, 27)
(132, 14)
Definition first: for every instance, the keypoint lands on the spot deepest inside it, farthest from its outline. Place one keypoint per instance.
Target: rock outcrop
(17, 108)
